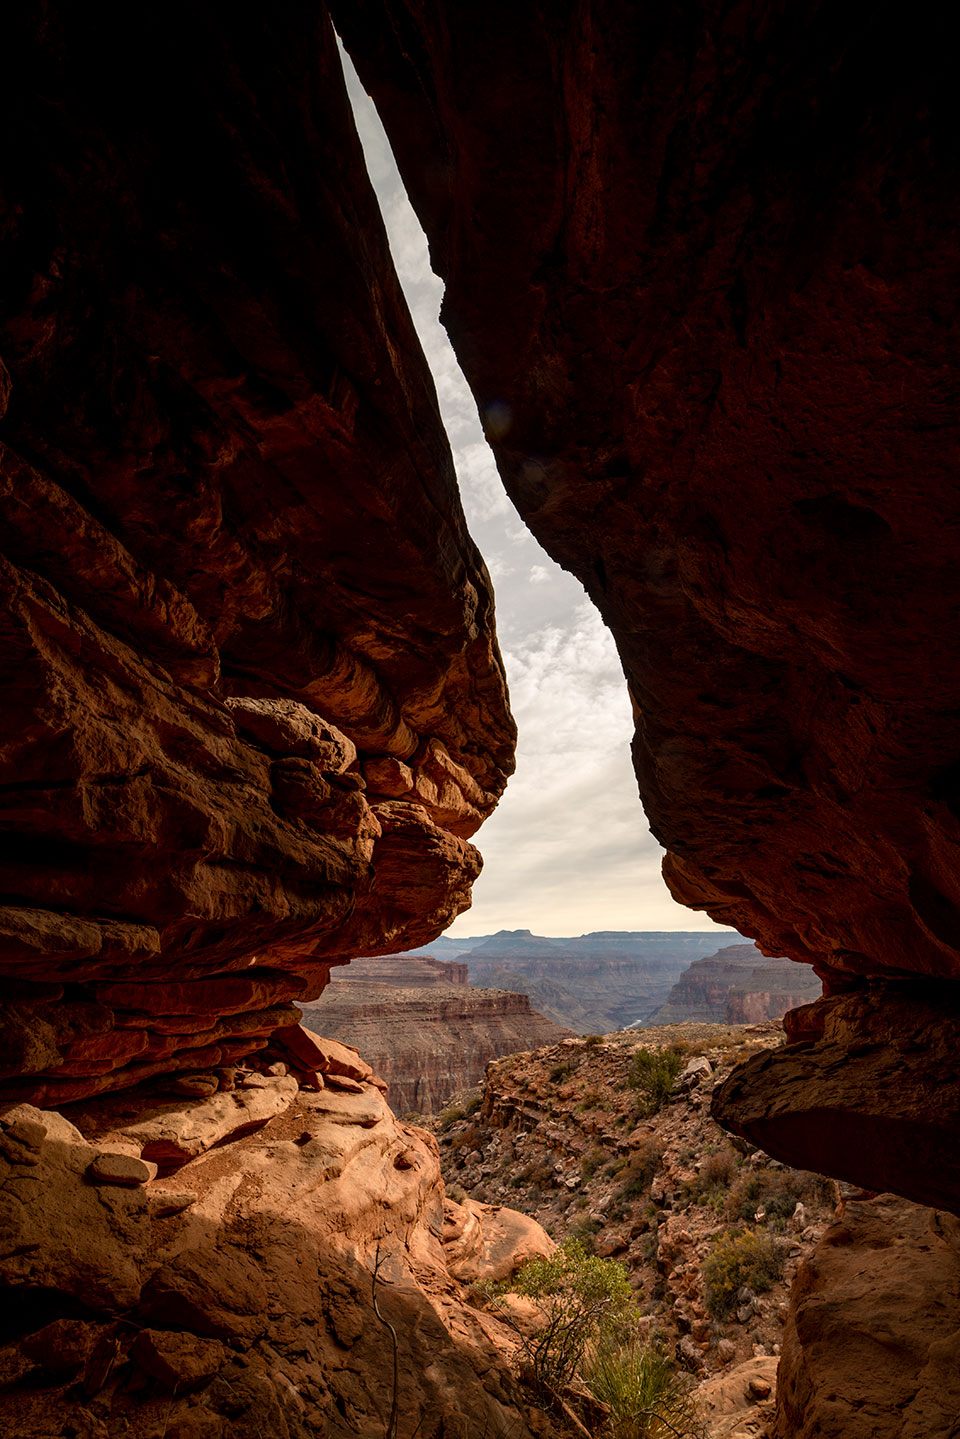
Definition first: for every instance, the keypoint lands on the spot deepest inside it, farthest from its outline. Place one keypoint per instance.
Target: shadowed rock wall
(253, 702)
(700, 264)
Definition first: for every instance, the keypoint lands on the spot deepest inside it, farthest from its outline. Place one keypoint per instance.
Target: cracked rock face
(254, 705)
(699, 270)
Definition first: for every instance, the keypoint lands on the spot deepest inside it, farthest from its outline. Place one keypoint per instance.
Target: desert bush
(740, 1257)
(647, 1398)
(559, 1072)
(591, 1162)
(446, 1117)
(653, 1073)
(473, 1104)
(710, 1185)
(583, 1300)
(586, 1230)
(593, 1039)
(720, 1167)
(640, 1169)
(777, 1191)
(469, 1138)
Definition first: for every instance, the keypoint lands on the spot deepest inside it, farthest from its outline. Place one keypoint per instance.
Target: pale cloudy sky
(568, 850)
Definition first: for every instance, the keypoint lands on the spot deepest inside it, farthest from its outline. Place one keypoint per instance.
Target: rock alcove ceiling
(700, 266)
(254, 704)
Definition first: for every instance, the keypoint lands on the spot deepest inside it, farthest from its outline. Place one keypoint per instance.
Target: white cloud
(568, 850)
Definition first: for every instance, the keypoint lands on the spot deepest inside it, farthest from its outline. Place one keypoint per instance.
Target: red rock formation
(700, 271)
(234, 1299)
(254, 704)
(869, 1349)
(737, 986)
(405, 971)
(429, 1044)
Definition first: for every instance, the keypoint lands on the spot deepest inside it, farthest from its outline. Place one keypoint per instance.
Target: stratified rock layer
(429, 1044)
(253, 705)
(700, 272)
(593, 983)
(737, 986)
(405, 971)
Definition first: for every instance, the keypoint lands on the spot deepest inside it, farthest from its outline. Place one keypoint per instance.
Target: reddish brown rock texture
(430, 1044)
(405, 971)
(738, 986)
(870, 1345)
(254, 707)
(700, 264)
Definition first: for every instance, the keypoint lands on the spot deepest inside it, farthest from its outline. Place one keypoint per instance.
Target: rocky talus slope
(699, 266)
(429, 1043)
(254, 704)
(738, 986)
(835, 1315)
(233, 1295)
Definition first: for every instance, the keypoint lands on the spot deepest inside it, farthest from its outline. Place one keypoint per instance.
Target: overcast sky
(568, 850)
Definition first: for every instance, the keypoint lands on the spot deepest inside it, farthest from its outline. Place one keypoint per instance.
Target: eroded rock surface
(235, 1298)
(699, 268)
(869, 1090)
(254, 706)
(870, 1345)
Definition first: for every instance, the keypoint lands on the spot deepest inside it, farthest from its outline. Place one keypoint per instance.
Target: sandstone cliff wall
(736, 986)
(254, 706)
(233, 1298)
(430, 1044)
(404, 971)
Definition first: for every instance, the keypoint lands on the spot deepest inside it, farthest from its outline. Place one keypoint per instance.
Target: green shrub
(654, 1073)
(446, 1117)
(738, 1258)
(642, 1165)
(473, 1103)
(593, 1039)
(583, 1301)
(777, 1191)
(647, 1398)
(560, 1072)
(591, 1162)
(586, 1230)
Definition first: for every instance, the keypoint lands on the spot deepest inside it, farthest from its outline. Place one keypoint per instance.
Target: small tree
(582, 1299)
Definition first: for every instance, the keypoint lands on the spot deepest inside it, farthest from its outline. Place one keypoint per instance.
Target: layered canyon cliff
(738, 986)
(429, 1044)
(592, 983)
